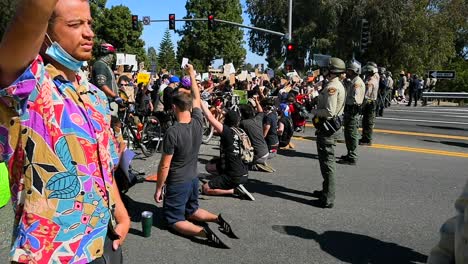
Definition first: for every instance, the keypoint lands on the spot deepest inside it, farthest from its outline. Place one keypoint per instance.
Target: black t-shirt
(183, 142)
(254, 129)
(167, 98)
(272, 136)
(231, 162)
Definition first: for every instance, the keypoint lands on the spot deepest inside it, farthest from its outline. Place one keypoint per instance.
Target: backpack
(246, 149)
(288, 129)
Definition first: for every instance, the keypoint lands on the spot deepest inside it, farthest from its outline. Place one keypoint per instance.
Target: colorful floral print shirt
(61, 153)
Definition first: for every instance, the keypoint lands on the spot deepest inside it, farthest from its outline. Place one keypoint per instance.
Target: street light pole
(290, 20)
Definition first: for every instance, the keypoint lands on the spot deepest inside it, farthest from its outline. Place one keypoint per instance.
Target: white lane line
(423, 121)
(428, 112)
(455, 116)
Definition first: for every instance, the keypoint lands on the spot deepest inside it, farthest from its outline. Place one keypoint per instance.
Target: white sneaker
(242, 191)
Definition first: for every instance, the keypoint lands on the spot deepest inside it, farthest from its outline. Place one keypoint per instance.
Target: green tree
(152, 57)
(202, 45)
(116, 29)
(97, 13)
(166, 57)
(411, 35)
(7, 10)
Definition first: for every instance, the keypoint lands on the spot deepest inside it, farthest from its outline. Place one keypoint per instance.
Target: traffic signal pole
(225, 22)
(290, 20)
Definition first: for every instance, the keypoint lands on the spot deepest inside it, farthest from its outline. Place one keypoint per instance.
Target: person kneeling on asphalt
(178, 170)
(230, 169)
(270, 127)
(285, 129)
(252, 124)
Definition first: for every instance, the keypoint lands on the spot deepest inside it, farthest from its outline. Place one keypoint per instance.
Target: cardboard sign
(232, 70)
(316, 73)
(184, 63)
(270, 73)
(232, 79)
(243, 76)
(120, 59)
(205, 76)
(143, 78)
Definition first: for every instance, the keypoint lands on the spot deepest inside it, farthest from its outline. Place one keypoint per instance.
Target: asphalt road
(388, 208)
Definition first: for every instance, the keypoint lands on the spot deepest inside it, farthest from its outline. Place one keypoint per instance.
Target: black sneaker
(365, 143)
(225, 228)
(325, 205)
(213, 238)
(347, 161)
(317, 194)
(242, 192)
(344, 157)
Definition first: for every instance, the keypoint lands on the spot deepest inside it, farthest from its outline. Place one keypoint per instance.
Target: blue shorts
(180, 201)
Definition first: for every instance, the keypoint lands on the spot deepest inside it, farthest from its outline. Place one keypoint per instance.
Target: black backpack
(288, 131)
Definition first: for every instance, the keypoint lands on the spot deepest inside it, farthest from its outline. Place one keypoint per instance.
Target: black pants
(413, 95)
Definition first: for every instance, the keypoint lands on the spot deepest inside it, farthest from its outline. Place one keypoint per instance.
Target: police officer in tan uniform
(354, 97)
(327, 121)
(368, 110)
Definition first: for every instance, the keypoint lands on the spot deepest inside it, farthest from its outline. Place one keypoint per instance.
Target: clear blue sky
(159, 9)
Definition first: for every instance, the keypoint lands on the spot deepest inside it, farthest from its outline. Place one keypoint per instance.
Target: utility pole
(290, 20)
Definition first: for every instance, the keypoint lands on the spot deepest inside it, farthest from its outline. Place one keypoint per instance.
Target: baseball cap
(174, 79)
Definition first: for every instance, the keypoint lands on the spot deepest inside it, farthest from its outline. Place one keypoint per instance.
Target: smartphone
(184, 63)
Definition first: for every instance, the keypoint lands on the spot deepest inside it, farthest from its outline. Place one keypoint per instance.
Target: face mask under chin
(60, 55)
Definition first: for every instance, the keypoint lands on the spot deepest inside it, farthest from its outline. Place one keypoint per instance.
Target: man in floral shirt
(56, 138)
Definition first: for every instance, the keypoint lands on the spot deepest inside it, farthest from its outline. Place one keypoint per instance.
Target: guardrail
(460, 96)
(443, 95)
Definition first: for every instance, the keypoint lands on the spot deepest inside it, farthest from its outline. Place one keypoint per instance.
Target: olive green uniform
(368, 110)
(354, 98)
(103, 75)
(330, 104)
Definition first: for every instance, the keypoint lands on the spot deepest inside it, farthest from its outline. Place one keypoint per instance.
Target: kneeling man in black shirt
(178, 170)
(231, 171)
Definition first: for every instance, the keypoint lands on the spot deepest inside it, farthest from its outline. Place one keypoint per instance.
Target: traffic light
(365, 35)
(172, 21)
(290, 50)
(211, 22)
(134, 22)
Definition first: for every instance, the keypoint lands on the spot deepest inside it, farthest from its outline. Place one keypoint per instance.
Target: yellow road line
(408, 149)
(418, 134)
(422, 150)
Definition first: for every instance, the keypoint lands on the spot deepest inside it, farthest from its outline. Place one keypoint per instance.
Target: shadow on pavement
(444, 127)
(272, 190)
(135, 209)
(294, 153)
(355, 248)
(450, 143)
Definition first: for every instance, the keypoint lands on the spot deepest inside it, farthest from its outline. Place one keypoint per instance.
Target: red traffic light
(210, 17)
(290, 47)
(171, 17)
(135, 18)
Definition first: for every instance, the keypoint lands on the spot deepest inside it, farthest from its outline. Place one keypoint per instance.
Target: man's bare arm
(195, 89)
(23, 39)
